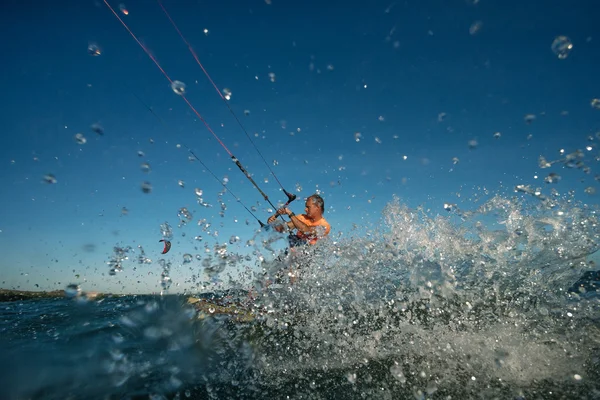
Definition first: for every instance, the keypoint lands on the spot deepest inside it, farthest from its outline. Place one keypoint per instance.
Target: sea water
(472, 304)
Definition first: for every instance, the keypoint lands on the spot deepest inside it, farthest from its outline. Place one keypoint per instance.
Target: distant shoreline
(7, 295)
(17, 295)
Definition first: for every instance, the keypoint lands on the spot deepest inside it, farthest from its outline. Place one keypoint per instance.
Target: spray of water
(471, 298)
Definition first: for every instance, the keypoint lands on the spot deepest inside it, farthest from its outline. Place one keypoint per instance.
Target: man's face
(312, 209)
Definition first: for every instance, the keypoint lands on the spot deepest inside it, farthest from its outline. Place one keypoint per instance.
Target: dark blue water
(154, 347)
(120, 347)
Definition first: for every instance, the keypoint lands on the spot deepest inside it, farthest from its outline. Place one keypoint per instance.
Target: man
(310, 227)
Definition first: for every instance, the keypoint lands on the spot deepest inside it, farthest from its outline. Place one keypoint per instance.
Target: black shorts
(295, 241)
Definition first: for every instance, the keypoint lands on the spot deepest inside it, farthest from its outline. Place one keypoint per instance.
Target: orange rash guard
(321, 232)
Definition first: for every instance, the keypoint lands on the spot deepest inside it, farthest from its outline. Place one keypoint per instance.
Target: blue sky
(384, 69)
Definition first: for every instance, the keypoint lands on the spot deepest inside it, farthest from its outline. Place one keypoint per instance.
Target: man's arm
(301, 226)
(310, 230)
(297, 223)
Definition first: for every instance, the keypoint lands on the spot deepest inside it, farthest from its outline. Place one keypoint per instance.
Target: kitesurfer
(309, 228)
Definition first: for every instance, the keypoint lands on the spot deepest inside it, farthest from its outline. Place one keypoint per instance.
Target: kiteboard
(206, 308)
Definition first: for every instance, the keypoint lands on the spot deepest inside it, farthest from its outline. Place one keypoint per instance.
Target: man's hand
(281, 211)
(284, 211)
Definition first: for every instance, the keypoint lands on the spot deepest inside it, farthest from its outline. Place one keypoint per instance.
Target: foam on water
(481, 294)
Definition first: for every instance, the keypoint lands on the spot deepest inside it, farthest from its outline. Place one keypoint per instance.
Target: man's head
(315, 206)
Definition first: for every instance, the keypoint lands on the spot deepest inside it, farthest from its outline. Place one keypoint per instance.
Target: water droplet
(552, 178)
(80, 139)
(497, 135)
(473, 144)
(198, 192)
(590, 190)
(441, 116)
(184, 214)
(577, 377)
(357, 136)
(94, 50)
(198, 238)
(140, 153)
(225, 180)
(211, 310)
(529, 118)
(98, 129)
(166, 231)
(234, 239)
(181, 183)
(595, 103)
(272, 76)
(178, 87)
(475, 27)
(72, 290)
(455, 160)
(206, 32)
(124, 211)
(381, 118)
(146, 187)
(145, 167)
(562, 46)
(187, 258)
(543, 163)
(351, 377)
(275, 163)
(377, 140)
(246, 112)
(227, 93)
(449, 207)
(123, 9)
(397, 373)
(524, 189)
(431, 388)
(49, 178)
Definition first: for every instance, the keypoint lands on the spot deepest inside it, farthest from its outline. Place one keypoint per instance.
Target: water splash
(474, 296)
(166, 231)
(120, 254)
(165, 275)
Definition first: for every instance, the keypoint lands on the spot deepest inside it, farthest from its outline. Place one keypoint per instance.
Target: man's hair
(318, 200)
